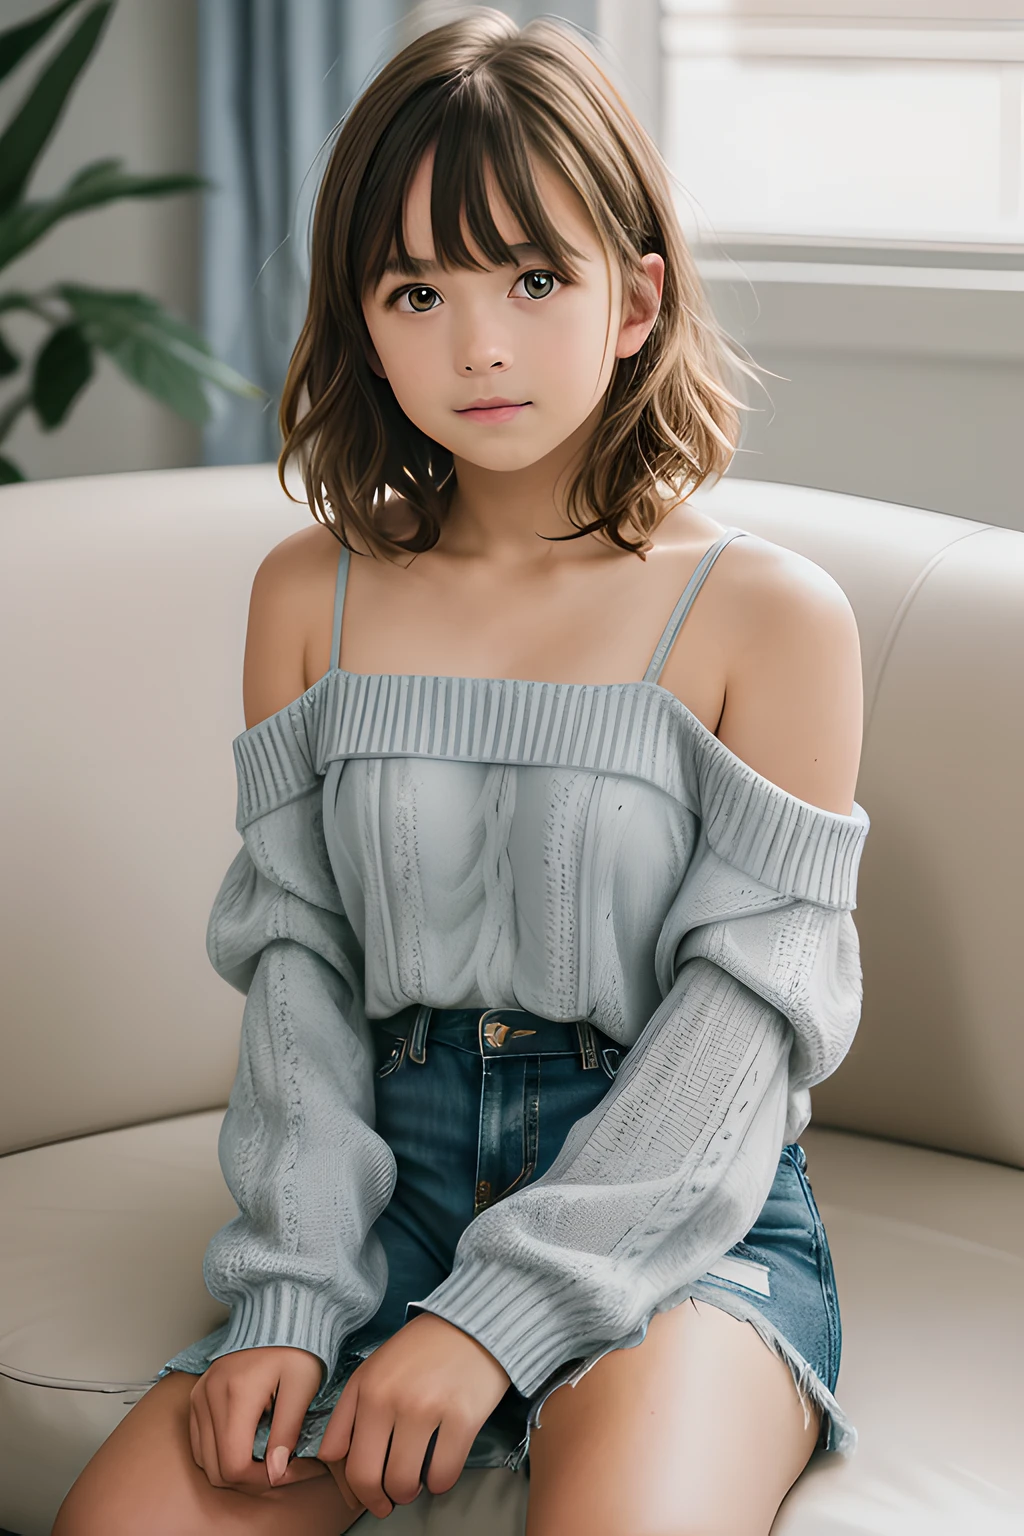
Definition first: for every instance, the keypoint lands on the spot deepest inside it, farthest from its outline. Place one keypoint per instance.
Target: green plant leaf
(100, 182)
(9, 471)
(24, 137)
(19, 40)
(161, 353)
(9, 361)
(14, 299)
(63, 368)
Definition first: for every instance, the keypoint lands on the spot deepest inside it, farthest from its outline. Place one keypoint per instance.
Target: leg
(143, 1478)
(699, 1431)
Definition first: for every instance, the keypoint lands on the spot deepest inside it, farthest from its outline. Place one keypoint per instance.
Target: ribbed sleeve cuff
(286, 1314)
(530, 1330)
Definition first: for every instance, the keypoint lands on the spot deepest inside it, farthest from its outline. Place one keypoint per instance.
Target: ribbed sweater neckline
(639, 729)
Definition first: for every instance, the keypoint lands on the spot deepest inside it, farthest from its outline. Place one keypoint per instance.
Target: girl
(542, 951)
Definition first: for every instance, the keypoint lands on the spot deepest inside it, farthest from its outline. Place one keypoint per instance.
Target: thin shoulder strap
(339, 606)
(682, 607)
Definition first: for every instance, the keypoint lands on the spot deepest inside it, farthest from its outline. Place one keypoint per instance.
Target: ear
(638, 323)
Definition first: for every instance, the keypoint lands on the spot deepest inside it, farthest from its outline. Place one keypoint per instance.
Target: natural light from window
(846, 119)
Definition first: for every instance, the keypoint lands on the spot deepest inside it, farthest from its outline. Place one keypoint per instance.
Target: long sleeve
(761, 998)
(299, 1264)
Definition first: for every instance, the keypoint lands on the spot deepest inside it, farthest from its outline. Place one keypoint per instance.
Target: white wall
(862, 162)
(135, 99)
(911, 394)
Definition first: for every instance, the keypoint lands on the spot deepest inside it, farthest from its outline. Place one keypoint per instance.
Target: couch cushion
(100, 1281)
(123, 605)
(928, 1250)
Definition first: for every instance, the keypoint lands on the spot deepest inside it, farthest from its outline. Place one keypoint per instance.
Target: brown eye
(415, 297)
(538, 285)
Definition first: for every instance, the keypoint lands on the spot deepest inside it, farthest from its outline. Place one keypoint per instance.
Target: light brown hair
(484, 92)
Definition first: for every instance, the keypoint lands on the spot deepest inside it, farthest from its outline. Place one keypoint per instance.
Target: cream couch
(122, 613)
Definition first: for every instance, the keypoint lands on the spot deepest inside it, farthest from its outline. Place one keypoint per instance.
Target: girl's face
(449, 341)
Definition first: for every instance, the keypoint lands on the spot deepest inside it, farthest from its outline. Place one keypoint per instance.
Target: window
(847, 121)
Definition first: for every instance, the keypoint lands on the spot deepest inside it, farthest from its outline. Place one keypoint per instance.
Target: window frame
(928, 30)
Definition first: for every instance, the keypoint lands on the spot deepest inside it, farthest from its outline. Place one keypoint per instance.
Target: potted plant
(156, 350)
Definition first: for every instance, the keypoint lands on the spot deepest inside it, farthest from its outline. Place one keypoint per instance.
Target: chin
(505, 456)
(502, 463)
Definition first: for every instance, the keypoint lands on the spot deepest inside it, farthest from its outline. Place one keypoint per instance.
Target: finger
(337, 1471)
(301, 1469)
(364, 1464)
(337, 1438)
(207, 1440)
(338, 1435)
(428, 1458)
(446, 1455)
(410, 1446)
(193, 1435)
(290, 1406)
(236, 1409)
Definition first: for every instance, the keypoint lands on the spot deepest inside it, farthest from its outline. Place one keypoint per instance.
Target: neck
(503, 516)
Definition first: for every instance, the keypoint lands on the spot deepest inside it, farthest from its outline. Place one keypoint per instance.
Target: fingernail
(277, 1463)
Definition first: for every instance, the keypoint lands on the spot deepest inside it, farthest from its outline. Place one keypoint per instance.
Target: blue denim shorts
(475, 1104)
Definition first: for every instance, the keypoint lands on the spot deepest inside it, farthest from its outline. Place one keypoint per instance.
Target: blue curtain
(275, 78)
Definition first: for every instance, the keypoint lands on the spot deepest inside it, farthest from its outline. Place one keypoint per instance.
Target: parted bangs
(472, 128)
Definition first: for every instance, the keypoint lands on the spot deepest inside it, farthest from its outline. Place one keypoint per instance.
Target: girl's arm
(299, 1265)
(758, 964)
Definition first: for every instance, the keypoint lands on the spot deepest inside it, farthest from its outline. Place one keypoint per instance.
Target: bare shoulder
(291, 609)
(794, 700)
(774, 586)
(290, 582)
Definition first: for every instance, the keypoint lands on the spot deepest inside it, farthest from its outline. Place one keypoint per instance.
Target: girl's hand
(227, 1404)
(429, 1375)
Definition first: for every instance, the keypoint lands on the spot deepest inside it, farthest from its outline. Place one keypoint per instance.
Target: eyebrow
(421, 266)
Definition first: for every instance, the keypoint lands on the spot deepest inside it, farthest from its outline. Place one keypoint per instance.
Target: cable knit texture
(582, 851)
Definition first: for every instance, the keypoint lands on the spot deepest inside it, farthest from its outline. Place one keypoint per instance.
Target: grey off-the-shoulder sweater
(584, 851)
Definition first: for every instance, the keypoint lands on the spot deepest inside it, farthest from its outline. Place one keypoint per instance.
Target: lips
(492, 404)
(493, 413)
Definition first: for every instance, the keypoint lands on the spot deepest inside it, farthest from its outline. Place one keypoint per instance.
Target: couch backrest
(123, 602)
(939, 1056)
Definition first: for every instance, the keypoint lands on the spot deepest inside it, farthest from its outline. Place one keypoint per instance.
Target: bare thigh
(699, 1429)
(143, 1480)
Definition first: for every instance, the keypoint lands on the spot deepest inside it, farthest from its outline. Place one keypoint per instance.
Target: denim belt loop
(588, 1050)
(418, 1035)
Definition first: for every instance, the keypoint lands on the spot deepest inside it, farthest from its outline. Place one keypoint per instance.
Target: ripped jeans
(477, 1103)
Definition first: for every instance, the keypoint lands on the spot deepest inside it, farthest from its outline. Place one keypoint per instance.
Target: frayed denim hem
(840, 1434)
(568, 1375)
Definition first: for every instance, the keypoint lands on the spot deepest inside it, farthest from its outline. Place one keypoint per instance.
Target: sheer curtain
(275, 78)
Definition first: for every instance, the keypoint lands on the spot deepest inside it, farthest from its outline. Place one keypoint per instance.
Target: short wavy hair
(483, 92)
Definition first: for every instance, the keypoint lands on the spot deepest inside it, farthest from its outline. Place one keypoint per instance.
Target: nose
(480, 350)
(479, 364)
